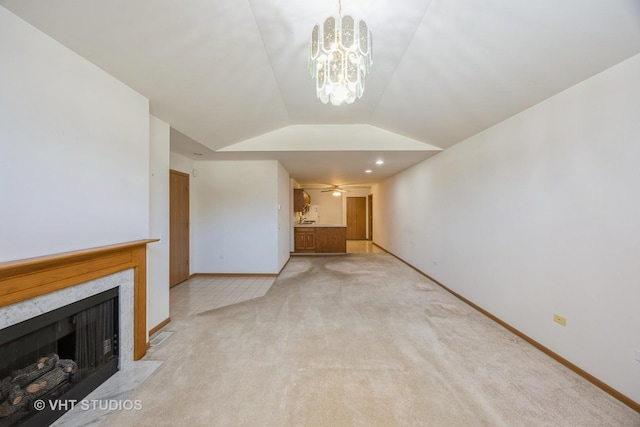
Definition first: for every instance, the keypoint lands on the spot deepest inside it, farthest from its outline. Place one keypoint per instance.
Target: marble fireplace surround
(35, 286)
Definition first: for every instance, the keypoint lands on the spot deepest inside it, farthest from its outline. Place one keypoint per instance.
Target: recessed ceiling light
(368, 171)
(380, 162)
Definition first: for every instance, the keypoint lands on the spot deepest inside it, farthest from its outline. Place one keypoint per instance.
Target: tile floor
(204, 293)
(362, 247)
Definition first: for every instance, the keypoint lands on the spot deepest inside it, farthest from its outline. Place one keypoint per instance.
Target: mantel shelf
(24, 279)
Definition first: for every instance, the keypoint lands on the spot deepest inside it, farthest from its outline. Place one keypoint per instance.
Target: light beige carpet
(359, 340)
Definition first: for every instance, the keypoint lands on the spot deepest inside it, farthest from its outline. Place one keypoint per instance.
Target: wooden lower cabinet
(305, 239)
(331, 239)
(320, 239)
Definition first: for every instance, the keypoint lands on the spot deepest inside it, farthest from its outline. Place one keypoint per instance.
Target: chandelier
(339, 58)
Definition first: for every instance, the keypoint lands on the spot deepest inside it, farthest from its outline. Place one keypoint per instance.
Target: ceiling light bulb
(380, 162)
(336, 193)
(368, 171)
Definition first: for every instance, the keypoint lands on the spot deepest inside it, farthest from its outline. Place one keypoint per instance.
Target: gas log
(5, 388)
(43, 376)
(46, 382)
(26, 375)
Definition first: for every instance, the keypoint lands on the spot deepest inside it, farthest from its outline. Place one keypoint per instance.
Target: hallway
(204, 293)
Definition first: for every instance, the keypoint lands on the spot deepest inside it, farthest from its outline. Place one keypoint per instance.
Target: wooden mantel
(24, 279)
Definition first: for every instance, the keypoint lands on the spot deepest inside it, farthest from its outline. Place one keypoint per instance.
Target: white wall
(181, 164)
(538, 215)
(74, 144)
(235, 217)
(331, 208)
(285, 209)
(158, 252)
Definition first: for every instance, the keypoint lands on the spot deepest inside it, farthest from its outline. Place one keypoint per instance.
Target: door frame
(370, 215)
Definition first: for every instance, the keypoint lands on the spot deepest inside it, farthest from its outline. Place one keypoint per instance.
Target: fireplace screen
(63, 354)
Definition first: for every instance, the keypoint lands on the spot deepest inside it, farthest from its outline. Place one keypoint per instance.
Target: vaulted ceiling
(233, 75)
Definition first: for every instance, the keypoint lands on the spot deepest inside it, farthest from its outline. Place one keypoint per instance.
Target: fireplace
(59, 356)
(32, 287)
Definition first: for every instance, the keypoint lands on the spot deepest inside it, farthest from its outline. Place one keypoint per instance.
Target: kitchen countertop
(297, 224)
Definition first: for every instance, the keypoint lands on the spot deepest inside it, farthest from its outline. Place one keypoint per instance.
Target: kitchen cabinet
(305, 239)
(331, 239)
(320, 239)
(301, 200)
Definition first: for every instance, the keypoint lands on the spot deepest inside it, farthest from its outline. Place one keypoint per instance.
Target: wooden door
(370, 216)
(356, 218)
(178, 227)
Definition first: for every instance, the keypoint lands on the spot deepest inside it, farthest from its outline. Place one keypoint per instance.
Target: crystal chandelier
(339, 58)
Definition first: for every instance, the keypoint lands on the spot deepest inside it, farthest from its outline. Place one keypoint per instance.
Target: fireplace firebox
(59, 356)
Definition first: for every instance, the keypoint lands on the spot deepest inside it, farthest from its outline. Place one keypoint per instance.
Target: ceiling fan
(335, 190)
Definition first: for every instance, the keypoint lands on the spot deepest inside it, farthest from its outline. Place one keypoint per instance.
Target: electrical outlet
(559, 319)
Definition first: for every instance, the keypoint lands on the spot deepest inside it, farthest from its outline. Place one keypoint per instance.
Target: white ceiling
(223, 73)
